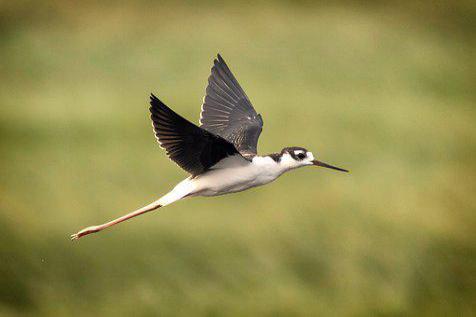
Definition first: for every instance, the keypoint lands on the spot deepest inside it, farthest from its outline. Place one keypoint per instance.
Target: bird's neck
(275, 163)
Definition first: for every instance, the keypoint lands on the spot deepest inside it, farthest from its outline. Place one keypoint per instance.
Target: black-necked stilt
(220, 154)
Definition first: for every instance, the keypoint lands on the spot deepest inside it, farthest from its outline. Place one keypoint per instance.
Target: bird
(221, 153)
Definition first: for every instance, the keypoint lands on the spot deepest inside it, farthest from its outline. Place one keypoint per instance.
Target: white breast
(235, 174)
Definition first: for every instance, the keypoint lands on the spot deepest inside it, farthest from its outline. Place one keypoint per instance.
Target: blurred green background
(385, 90)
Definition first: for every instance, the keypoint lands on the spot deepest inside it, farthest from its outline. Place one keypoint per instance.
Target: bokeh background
(385, 90)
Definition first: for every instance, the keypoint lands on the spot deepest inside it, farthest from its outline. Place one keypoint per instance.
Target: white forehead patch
(298, 151)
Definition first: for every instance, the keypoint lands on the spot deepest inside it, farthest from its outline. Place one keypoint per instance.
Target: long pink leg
(94, 229)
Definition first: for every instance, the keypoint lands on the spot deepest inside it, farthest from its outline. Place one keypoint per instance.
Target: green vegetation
(386, 91)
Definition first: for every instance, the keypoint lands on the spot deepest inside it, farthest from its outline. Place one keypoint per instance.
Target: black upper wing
(192, 148)
(227, 111)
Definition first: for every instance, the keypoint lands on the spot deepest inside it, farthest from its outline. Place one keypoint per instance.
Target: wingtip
(219, 59)
(154, 101)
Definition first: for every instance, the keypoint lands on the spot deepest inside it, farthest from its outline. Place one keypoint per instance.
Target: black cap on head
(296, 152)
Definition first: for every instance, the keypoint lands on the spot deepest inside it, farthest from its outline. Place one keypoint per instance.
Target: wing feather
(227, 110)
(194, 149)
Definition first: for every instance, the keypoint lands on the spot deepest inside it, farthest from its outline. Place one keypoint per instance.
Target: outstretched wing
(227, 111)
(192, 148)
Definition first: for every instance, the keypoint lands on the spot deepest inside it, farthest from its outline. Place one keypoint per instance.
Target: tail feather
(182, 190)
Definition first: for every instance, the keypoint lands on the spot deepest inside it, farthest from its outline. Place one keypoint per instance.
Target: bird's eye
(301, 156)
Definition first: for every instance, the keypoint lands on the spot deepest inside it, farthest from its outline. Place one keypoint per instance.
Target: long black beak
(318, 163)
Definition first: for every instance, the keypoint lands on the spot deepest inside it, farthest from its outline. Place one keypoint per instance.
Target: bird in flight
(220, 154)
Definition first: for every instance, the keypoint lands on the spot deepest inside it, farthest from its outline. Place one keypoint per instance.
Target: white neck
(269, 166)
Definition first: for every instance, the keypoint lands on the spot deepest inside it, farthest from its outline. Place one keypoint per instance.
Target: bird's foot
(84, 232)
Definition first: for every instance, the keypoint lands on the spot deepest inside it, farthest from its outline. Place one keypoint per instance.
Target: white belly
(235, 174)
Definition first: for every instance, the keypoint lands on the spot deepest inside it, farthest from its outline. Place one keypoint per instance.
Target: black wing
(192, 148)
(227, 111)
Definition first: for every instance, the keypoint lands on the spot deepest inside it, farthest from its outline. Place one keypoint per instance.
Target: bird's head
(294, 157)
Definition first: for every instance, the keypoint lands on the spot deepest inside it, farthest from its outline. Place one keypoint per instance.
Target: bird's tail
(182, 190)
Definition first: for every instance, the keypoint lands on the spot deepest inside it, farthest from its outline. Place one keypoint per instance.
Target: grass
(386, 91)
